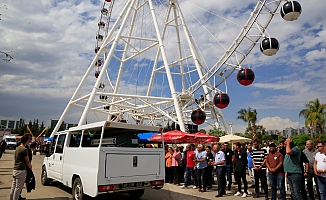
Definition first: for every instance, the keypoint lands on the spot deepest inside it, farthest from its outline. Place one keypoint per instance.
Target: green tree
(249, 116)
(217, 132)
(321, 137)
(314, 114)
(202, 131)
(300, 140)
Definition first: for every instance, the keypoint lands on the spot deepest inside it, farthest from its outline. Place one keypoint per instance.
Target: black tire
(78, 191)
(136, 194)
(44, 177)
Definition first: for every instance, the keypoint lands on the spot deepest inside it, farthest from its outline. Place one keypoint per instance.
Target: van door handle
(53, 156)
(60, 157)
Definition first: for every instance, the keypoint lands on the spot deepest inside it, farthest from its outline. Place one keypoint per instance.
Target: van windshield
(10, 139)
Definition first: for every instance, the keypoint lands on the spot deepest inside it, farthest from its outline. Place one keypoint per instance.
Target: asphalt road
(59, 192)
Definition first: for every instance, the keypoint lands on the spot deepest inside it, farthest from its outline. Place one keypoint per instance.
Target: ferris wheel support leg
(158, 53)
(129, 7)
(179, 48)
(90, 68)
(167, 69)
(122, 64)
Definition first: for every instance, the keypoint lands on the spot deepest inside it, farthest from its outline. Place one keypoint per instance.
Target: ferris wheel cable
(213, 13)
(192, 43)
(262, 29)
(237, 42)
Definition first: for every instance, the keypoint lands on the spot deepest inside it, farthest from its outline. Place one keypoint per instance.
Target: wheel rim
(43, 176)
(78, 191)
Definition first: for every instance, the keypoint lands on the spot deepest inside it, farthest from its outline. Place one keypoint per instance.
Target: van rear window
(90, 136)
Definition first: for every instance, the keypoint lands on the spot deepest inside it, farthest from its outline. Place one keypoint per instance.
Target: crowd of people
(278, 164)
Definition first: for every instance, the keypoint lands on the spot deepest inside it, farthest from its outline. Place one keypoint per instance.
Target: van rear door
(131, 164)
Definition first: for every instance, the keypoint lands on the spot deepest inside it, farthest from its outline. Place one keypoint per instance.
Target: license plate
(129, 185)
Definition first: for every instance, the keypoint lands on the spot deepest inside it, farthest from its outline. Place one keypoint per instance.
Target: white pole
(230, 124)
(167, 69)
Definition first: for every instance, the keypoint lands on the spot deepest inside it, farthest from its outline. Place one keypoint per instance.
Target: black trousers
(221, 181)
(168, 175)
(261, 174)
(200, 176)
(175, 175)
(241, 175)
(303, 188)
(312, 176)
(208, 176)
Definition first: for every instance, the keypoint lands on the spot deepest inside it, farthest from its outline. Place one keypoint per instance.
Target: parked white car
(11, 141)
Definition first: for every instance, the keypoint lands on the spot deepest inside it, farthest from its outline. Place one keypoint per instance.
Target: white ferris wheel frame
(223, 68)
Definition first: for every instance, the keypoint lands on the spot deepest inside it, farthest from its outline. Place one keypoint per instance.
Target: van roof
(117, 125)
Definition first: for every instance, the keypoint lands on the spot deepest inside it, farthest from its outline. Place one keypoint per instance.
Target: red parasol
(205, 138)
(174, 136)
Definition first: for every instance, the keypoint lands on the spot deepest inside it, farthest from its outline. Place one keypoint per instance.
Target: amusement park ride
(150, 68)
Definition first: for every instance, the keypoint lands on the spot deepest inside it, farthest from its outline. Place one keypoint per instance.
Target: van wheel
(77, 190)
(44, 177)
(136, 194)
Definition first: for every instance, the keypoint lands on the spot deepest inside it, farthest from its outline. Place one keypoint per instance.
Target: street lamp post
(230, 124)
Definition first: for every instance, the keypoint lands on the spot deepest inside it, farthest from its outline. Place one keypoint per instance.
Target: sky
(52, 43)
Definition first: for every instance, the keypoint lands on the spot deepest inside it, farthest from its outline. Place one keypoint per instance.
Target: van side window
(52, 145)
(60, 144)
(75, 139)
(91, 137)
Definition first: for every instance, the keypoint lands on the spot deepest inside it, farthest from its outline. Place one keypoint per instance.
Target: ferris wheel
(150, 65)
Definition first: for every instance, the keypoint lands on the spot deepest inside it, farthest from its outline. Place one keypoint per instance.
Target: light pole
(230, 124)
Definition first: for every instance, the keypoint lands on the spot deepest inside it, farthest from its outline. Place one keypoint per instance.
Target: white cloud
(315, 55)
(278, 123)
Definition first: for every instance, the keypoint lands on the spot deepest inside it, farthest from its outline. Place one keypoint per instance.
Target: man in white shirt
(219, 162)
(320, 170)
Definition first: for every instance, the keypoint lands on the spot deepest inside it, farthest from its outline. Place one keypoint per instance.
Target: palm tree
(315, 116)
(249, 116)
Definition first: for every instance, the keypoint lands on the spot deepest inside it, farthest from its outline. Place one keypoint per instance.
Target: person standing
(320, 169)
(176, 159)
(266, 147)
(240, 165)
(190, 165)
(250, 166)
(21, 162)
(200, 167)
(282, 148)
(292, 169)
(229, 160)
(1, 148)
(311, 152)
(274, 163)
(304, 166)
(258, 159)
(219, 162)
(168, 166)
(3, 145)
(209, 169)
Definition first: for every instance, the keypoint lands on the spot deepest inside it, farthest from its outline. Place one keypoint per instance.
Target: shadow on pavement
(160, 195)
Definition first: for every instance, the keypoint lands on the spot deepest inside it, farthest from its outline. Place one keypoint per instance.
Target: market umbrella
(173, 136)
(205, 138)
(234, 138)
